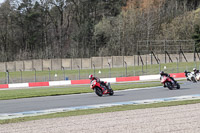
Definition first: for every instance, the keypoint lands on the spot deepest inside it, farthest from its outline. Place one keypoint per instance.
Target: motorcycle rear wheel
(193, 79)
(178, 86)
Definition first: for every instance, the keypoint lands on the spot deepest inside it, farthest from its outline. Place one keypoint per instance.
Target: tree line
(45, 29)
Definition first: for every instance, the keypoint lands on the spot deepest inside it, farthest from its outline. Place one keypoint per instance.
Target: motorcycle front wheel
(169, 85)
(178, 86)
(98, 91)
(111, 92)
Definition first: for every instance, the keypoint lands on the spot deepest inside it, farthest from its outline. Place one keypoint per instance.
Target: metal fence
(151, 48)
(126, 71)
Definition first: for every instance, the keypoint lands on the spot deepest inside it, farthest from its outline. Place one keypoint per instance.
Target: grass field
(53, 91)
(100, 110)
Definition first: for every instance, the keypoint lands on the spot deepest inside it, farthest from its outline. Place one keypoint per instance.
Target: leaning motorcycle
(191, 77)
(101, 90)
(198, 76)
(167, 81)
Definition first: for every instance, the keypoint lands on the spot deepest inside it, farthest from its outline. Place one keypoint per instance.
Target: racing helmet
(185, 71)
(194, 69)
(161, 72)
(90, 76)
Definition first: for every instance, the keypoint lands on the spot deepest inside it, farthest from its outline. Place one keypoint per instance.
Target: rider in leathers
(91, 77)
(167, 75)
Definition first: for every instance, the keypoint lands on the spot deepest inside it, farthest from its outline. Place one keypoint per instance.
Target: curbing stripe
(87, 81)
(36, 84)
(60, 83)
(49, 111)
(149, 77)
(4, 86)
(84, 81)
(18, 85)
(124, 79)
(111, 80)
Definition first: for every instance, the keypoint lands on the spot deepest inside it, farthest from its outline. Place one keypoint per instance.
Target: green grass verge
(100, 110)
(40, 92)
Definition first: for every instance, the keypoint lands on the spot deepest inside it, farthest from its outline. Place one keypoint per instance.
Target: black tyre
(193, 79)
(98, 91)
(169, 85)
(178, 86)
(111, 92)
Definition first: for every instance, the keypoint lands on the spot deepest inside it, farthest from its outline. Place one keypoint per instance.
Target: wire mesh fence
(145, 66)
(126, 71)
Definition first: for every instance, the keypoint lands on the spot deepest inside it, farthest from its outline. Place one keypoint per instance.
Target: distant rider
(186, 75)
(91, 77)
(195, 71)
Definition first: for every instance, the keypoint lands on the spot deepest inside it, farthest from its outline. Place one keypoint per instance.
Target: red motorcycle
(167, 81)
(101, 89)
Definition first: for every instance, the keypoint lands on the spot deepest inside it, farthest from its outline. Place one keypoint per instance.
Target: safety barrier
(87, 81)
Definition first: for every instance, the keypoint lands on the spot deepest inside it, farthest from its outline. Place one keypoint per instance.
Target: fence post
(63, 72)
(146, 63)
(177, 64)
(49, 74)
(7, 74)
(94, 68)
(126, 67)
(78, 72)
(21, 74)
(35, 74)
(159, 65)
(109, 70)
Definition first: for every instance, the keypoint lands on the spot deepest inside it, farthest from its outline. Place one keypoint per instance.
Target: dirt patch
(176, 119)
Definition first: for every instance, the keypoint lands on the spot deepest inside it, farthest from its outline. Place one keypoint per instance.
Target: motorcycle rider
(91, 77)
(167, 75)
(186, 75)
(195, 71)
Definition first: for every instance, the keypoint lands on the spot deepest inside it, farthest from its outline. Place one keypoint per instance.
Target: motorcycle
(191, 77)
(198, 76)
(101, 90)
(167, 81)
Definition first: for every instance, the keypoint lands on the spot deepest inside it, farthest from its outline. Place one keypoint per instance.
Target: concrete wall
(47, 64)
(11, 66)
(129, 60)
(28, 65)
(3, 66)
(56, 64)
(97, 61)
(67, 63)
(106, 62)
(19, 65)
(87, 63)
(118, 61)
(38, 65)
(77, 63)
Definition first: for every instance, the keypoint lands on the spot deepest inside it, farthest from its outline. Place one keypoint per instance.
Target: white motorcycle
(198, 76)
(191, 77)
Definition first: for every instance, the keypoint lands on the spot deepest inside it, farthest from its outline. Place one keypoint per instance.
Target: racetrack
(51, 102)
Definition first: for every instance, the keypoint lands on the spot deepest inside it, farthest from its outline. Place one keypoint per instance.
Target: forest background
(47, 29)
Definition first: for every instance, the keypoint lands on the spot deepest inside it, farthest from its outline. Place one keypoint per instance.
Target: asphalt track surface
(51, 102)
